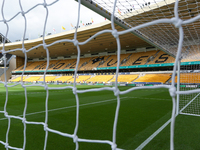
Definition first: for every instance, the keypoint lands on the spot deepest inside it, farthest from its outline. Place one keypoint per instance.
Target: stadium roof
(164, 36)
(102, 43)
(2, 37)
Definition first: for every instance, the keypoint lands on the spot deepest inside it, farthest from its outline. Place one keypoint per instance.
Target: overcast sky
(63, 13)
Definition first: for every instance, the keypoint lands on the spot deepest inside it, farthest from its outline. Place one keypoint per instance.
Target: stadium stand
(125, 59)
(20, 68)
(162, 57)
(130, 59)
(153, 78)
(39, 65)
(47, 78)
(65, 64)
(95, 62)
(100, 79)
(111, 62)
(83, 63)
(32, 79)
(33, 65)
(80, 78)
(103, 60)
(62, 78)
(140, 58)
(125, 78)
(87, 65)
(52, 64)
(18, 79)
(189, 78)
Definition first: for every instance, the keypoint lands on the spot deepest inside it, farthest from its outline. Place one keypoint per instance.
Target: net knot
(75, 138)
(23, 120)
(114, 146)
(5, 85)
(45, 5)
(6, 145)
(172, 91)
(6, 114)
(4, 21)
(24, 50)
(177, 22)
(115, 34)
(74, 90)
(45, 87)
(75, 42)
(45, 127)
(22, 12)
(22, 84)
(44, 46)
(116, 92)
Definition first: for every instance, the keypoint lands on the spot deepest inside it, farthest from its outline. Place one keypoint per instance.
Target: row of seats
(140, 58)
(125, 78)
(80, 78)
(18, 79)
(189, 78)
(162, 78)
(47, 78)
(154, 78)
(98, 78)
(32, 79)
(63, 78)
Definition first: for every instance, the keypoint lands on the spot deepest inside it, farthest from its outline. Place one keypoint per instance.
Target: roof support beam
(101, 11)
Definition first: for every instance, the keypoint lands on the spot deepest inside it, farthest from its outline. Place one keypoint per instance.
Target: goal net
(189, 80)
(169, 25)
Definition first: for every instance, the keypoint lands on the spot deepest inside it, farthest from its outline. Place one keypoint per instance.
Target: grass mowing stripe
(22, 93)
(141, 146)
(68, 107)
(149, 98)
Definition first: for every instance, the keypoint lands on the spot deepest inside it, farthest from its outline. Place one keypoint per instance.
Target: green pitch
(142, 112)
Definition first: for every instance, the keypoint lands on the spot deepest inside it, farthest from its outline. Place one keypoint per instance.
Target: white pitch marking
(141, 146)
(67, 107)
(22, 93)
(148, 98)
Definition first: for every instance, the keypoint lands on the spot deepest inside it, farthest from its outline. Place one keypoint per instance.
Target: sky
(63, 13)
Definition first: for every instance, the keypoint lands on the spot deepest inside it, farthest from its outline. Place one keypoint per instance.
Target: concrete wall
(12, 66)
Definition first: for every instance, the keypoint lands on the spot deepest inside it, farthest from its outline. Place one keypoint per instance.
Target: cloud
(62, 13)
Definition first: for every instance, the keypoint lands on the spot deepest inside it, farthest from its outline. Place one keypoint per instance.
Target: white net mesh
(161, 22)
(166, 35)
(189, 80)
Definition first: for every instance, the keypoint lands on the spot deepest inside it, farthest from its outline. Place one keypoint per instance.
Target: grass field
(142, 112)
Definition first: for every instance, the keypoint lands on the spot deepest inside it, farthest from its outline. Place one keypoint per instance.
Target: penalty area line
(39, 112)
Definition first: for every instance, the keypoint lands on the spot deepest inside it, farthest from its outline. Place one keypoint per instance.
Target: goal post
(166, 30)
